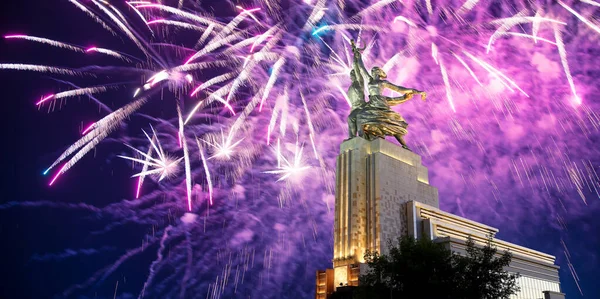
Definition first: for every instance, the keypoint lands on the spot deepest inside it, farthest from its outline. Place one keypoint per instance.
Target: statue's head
(352, 75)
(378, 72)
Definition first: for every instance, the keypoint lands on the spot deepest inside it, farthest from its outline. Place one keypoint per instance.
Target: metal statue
(376, 119)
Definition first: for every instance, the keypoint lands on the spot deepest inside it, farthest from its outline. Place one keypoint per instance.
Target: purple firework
(234, 175)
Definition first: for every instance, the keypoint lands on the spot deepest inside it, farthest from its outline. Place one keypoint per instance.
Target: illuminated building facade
(383, 193)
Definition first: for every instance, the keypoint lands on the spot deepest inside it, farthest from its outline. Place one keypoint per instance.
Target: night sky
(48, 249)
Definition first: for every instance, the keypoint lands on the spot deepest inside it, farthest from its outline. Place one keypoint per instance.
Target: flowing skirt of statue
(378, 120)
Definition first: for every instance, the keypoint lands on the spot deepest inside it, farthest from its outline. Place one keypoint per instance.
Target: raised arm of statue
(358, 72)
(358, 63)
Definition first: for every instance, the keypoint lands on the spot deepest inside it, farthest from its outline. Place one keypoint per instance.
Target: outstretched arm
(397, 88)
(392, 101)
(406, 91)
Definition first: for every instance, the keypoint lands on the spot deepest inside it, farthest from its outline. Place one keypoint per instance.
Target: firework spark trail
(206, 172)
(229, 28)
(260, 39)
(73, 93)
(536, 25)
(467, 68)
(118, 13)
(46, 41)
(205, 35)
(245, 113)
(249, 67)
(531, 36)
(137, 11)
(131, 33)
(256, 42)
(82, 151)
(311, 128)
(495, 72)
(88, 128)
(570, 266)
(214, 80)
(224, 102)
(186, 158)
(580, 17)
(144, 169)
(405, 20)
(280, 104)
(93, 16)
(100, 104)
(312, 136)
(212, 97)
(335, 56)
(183, 14)
(467, 6)
(346, 27)
(201, 65)
(218, 44)
(520, 18)
(429, 7)
(39, 68)
(316, 15)
(345, 95)
(434, 53)
(128, 31)
(250, 13)
(108, 52)
(272, 79)
(590, 2)
(563, 60)
(177, 24)
(447, 85)
(102, 128)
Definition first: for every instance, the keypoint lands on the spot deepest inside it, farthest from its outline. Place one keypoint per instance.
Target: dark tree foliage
(426, 269)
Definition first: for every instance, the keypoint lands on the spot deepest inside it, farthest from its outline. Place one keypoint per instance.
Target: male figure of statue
(356, 95)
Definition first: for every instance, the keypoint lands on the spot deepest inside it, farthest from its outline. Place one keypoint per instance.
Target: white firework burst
(288, 169)
(163, 166)
(224, 148)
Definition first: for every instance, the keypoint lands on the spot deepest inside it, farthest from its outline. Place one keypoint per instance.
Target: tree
(426, 269)
(482, 273)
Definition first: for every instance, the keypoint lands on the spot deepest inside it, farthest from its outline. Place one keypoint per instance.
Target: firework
(163, 166)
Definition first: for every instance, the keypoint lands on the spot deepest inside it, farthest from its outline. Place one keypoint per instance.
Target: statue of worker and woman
(375, 118)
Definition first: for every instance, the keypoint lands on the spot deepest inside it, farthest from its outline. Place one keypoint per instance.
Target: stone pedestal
(373, 180)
